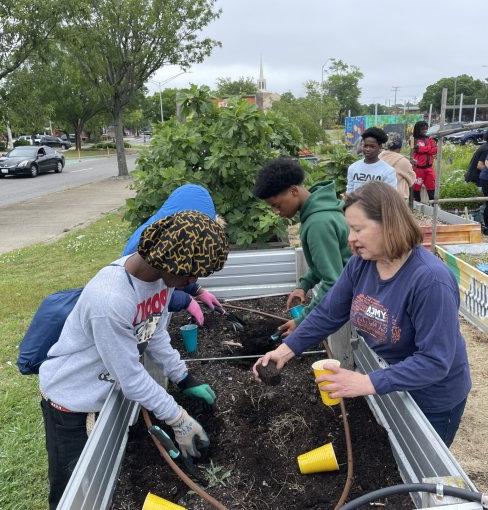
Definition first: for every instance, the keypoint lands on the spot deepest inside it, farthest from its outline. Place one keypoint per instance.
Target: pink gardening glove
(196, 312)
(209, 299)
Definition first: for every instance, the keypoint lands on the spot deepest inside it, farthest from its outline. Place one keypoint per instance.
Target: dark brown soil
(257, 431)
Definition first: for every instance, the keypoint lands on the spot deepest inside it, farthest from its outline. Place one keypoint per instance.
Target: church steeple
(261, 80)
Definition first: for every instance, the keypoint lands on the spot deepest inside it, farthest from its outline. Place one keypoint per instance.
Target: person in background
(401, 164)
(477, 168)
(404, 301)
(122, 313)
(371, 168)
(189, 197)
(423, 150)
(323, 229)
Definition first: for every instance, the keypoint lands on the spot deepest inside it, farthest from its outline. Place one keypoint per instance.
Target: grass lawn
(27, 276)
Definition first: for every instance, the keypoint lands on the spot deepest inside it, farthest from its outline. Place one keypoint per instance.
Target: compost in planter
(257, 431)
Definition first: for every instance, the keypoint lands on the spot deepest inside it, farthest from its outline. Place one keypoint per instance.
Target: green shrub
(20, 143)
(221, 149)
(334, 165)
(455, 187)
(108, 145)
(3, 145)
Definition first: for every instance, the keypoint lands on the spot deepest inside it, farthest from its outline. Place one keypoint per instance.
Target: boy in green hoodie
(323, 229)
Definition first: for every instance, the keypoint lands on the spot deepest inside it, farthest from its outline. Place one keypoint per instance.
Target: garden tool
(276, 335)
(167, 443)
(237, 323)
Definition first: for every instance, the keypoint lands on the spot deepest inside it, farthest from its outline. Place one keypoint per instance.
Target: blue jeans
(447, 423)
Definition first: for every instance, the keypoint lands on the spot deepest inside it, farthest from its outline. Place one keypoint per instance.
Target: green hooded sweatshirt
(323, 233)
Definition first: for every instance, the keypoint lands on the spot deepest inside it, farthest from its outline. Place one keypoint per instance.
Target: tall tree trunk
(119, 143)
(78, 127)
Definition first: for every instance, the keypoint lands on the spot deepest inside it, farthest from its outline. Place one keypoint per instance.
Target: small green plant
(215, 475)
(455, 187)
(22, 142)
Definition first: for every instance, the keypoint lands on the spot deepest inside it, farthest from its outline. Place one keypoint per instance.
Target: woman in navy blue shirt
(404, 301)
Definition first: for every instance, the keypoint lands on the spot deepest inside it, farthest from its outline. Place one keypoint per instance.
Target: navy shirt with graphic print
(410, 320)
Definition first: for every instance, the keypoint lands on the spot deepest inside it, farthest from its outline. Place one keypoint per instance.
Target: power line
(395, 90)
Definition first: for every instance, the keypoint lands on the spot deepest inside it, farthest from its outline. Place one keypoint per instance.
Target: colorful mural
(473, 287)
(402, 124)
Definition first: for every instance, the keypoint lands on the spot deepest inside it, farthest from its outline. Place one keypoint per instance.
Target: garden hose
(439, 489)
(345, 422)
(347, 434)
(179, 472)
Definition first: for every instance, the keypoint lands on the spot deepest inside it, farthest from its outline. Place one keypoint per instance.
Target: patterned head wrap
(187, 243)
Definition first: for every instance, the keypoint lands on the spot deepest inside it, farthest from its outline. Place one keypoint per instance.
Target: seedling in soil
(215, 475)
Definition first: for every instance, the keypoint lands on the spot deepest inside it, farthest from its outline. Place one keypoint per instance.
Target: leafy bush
(221, 149)
(334, 165)
(19, 143)
(3, 145)
(455, 186)
(108, 145)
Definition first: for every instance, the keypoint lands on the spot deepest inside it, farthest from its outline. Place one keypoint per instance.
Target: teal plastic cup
(296, 311)
(189, 332)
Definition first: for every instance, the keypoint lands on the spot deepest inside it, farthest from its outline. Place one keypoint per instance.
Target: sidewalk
(48, 217)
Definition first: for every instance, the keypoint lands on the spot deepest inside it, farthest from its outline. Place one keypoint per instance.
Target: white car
(25, 138)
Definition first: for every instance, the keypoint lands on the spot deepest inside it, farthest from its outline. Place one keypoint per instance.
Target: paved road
(17, 189)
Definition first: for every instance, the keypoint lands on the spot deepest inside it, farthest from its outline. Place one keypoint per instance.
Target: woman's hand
(346, 383)
(280, 356)
(287, 328)
(297, 294)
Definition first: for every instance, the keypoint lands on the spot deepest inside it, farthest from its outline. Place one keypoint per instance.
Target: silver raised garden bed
(418, 450)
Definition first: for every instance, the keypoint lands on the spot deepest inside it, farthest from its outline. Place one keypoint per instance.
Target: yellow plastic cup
(318, 460)
(320, 368)
(153, 502)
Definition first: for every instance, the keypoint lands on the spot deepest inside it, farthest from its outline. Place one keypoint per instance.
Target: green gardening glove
(195, 389)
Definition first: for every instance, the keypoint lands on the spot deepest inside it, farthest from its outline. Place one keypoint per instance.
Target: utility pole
(322, 93)
(454, 103)
(395, 90)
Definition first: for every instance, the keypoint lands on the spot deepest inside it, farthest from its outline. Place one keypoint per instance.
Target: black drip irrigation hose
(440, 489)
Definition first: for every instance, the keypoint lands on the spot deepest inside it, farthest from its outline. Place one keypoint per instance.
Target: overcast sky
(407, 44)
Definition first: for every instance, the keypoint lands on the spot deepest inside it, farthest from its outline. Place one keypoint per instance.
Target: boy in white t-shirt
(371, 168)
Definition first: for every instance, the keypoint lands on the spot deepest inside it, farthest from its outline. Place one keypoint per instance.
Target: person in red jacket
(423, 151)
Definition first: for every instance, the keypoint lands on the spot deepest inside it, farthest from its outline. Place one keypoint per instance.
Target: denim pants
(447, 423)
(65, 439)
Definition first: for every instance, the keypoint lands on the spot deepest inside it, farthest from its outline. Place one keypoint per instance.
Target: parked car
(25, 138)
(31, 161)
(473, 136)
(53, 141)
(434, 129)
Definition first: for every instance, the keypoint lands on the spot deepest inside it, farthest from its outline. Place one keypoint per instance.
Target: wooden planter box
(473, 288)
(464, 233)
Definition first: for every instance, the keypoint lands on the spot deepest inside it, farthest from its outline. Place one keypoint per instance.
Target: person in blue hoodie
(404, 301)
(189, 197)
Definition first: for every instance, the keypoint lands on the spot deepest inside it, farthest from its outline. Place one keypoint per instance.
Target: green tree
(369, 109)
(152, 106)
(308, 112)
(242, 87)
(120, 44)
(24, 101)
(343, 84)
(75, 99)
(222, 149)
(24, 28)
(465, 84)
